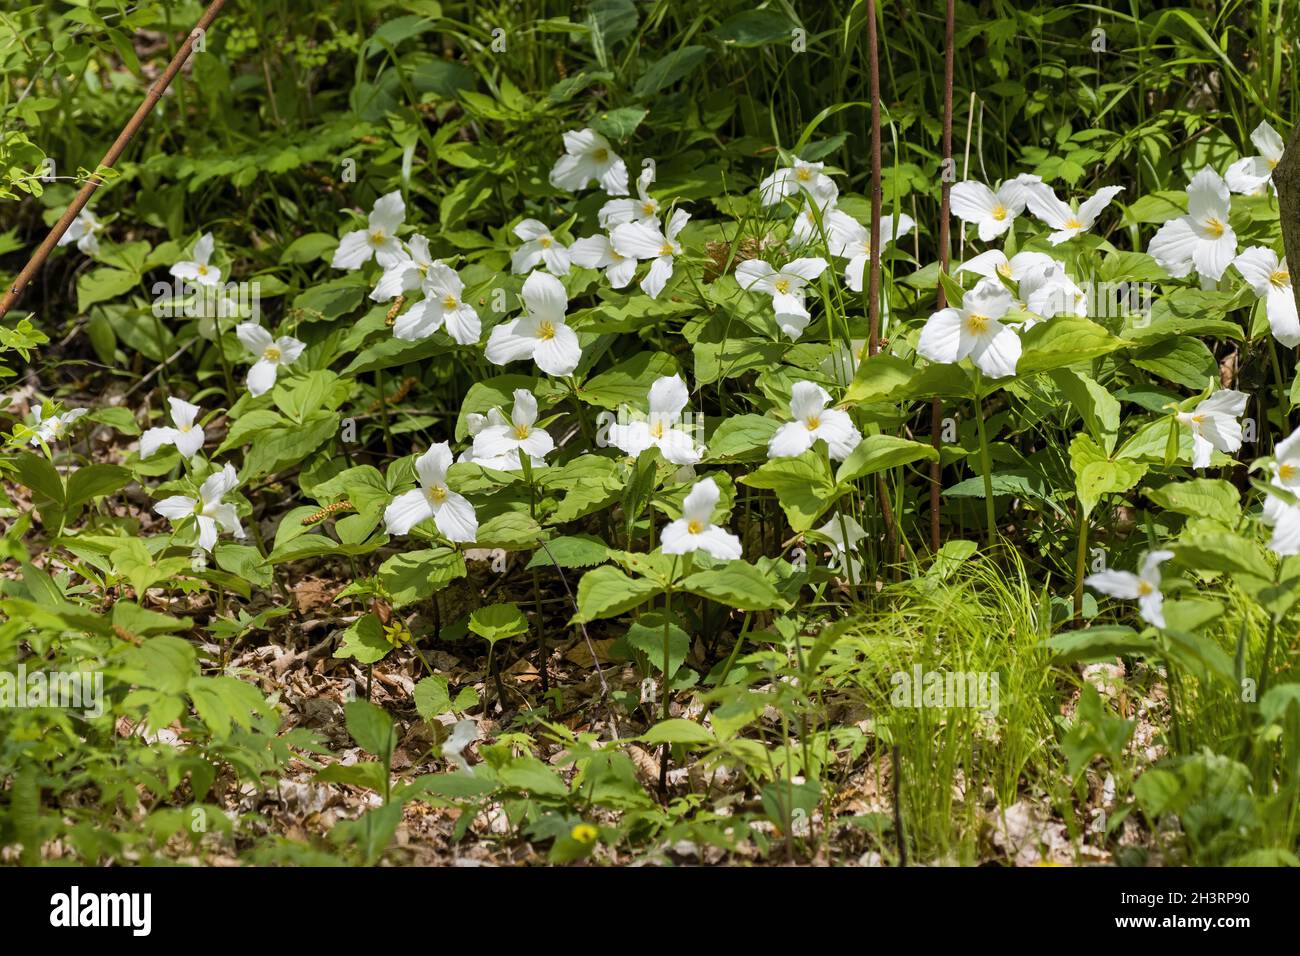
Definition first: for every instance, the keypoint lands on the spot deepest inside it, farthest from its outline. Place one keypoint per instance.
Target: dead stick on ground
(114, 152)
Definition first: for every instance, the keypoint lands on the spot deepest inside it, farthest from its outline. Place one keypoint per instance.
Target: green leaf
(497, 621)
(1061, 342)
(676, 730)
(628, 382)
(1182, 359)
(742, 438)
(432, 696)
(735, 584)
(670, 69)
(1200, 498)
(803, 486)
(877, 453)
(364, 641)
(608, 592)
(1096, 475)
(570, 551)
(371, 727)
(415, 575)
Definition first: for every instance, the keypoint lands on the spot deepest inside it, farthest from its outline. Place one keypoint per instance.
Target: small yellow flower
(397, 633)
(584, 833)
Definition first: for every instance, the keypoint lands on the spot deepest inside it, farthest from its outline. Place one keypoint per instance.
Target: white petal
(176, 507)
(261, 377)
(1116, 584)
(790, 440)
(406, 511)
(155, 438)
(353, 251)
(456, 519)
(560, 354)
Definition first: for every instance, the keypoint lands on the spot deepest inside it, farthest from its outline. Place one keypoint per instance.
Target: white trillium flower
(1143, 587)
(1214, 425)
(695, 530)
(851, 240)
(406, 274)
(805, 228)
(993, 212)
(442, 305)
(55, 427)
(541, 333)
(973, 330)
(1281, 515)
(1052, 292)
(661, 429)
(789, 180)
(1031, 266)
(539, 247)
(475, 423)
(498, 446)
(1067, 220)
(645, 240)
(1202, 239)
(813, 420)
(785, 286)
(198, 270)
(1271, 279)
(843, 360)
(451, 512)
(845, 535)
(186, 436)
(1252, 175)
(379, 238)
(588, 156)
(271, 354)
(209, 511)
(598, 252)
(463, 733)
(83, 231)
(645, 208)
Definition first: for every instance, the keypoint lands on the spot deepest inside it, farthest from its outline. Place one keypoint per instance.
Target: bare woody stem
(936, 407)
(114, 153)
(873, 284)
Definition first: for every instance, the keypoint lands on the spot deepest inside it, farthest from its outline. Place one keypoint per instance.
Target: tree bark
(1287, 179)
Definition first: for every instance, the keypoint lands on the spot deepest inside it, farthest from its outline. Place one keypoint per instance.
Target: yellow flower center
(1272, 163)
(666, 249)
(1197, 419)
(694, 527)
(546, 242)
(272, 354)
(183, 428)
(1073, 223)
(1145, 588)
(521, 432)
(1280, 279)
(1005, 270)
(813, 422)
(449, 301)
(546, 331)
(1214, 227)
(999, 212)
(436, 494)
(976, 324)
(377, 238)
(803, 174)
(1287, 471)
(584, 833)
(783, 286)
(649, 207)
(657, 430)
(601, 155)
(203, 270)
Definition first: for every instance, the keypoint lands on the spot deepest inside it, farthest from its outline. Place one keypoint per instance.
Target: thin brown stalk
(114, 152)
(936, 407)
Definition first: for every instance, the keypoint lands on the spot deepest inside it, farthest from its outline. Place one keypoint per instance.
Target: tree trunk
(1287, 179)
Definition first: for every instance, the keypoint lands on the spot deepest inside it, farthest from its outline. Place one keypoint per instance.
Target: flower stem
(986, 466)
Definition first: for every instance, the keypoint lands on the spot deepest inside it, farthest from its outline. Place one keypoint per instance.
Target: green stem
(986, 466)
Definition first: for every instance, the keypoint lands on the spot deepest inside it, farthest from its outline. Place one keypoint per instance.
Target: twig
(114, 152)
